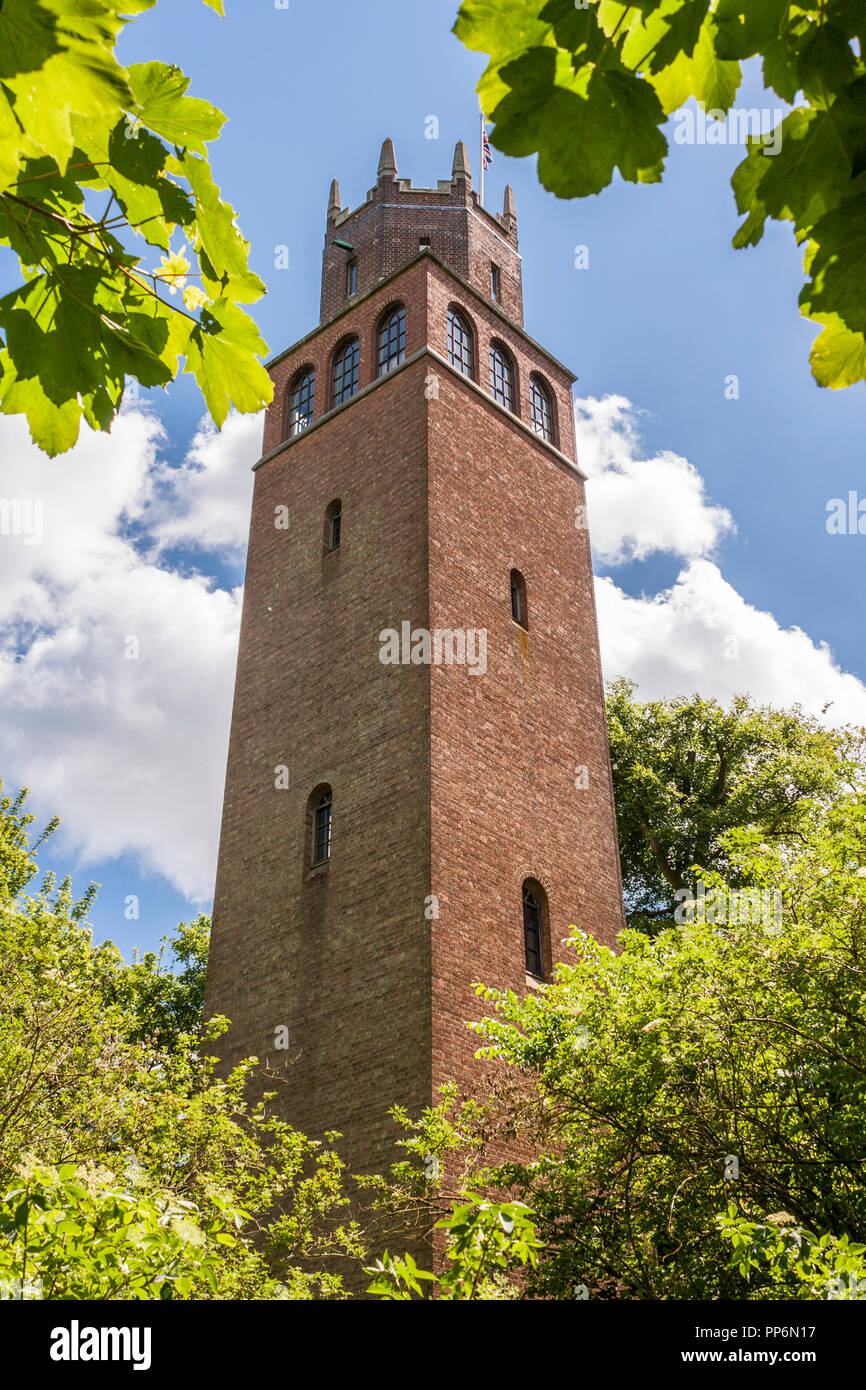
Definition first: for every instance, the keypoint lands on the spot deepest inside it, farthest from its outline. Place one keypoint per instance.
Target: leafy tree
(816, 1267)
(96, 159)
(700, 1111)
(686, 771)
(77, 1233)
(486, 1242)
(159, 1002)
(122, 1152)
(589, 86)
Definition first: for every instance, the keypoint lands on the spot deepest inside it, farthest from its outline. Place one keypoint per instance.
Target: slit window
(333, 525)
(519, 608)
(322, 818)
(351, 278)
(533, 932)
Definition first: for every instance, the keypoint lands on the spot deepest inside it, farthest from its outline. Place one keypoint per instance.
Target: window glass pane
(351, 277)
(460, 344)
(532, 933)
(322, 831)
(392, 341)
(501, 378)
(346, 372)
(541, 409)
(301, 403)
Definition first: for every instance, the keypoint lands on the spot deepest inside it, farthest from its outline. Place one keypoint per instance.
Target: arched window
(345, 378)
(501, 376)
(333, 525)
(302, 397)
(519, 607)
(461, 353)
(533, 928)
(541, 408)
(391, 340)
(319, 818)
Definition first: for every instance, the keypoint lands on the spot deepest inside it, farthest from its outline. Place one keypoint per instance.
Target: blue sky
(664, 313)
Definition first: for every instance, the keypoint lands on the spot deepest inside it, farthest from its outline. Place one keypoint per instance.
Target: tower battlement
(365, 245)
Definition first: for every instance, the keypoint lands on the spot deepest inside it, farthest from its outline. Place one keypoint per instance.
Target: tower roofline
(502, 222)
(464, 286)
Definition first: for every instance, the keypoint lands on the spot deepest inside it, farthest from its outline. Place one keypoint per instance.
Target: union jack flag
(486, 152)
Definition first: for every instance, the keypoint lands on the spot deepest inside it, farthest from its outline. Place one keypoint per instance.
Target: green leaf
(703, 75)
(611, 116)
(826, 63)
(838, 356)
(838, 266)
(161, 105)
(220, 355)
(502, 27)
(53, 428)
(221, 241)
(56, 57)
(133, 165)
(746, 27)
(804, 180)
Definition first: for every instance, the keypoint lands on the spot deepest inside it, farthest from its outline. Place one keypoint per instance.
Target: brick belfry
(418, 792)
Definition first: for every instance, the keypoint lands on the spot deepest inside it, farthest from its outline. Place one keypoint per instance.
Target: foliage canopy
(589, 86)
(102, 169)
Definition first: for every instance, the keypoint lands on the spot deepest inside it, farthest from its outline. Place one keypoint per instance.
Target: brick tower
(418, 792)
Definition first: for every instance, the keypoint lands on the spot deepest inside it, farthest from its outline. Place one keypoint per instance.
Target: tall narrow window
(345, 380)
(392, 339)
(333, 525)
(351, 278)
(494, 283)
(460, 350)
(501, 376)
(533, 929)
(321, 828)
(541, 408)
(519, 609)
(302, 396)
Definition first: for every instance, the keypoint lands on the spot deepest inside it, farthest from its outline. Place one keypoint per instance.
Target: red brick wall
(340, 957)
(506, 746)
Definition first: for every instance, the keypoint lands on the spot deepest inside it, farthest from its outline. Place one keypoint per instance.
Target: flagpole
(481, 145)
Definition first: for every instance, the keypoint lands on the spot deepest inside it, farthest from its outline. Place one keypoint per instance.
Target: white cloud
(206, 502)
(131, 752)
(638, 505)
(699, 635)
